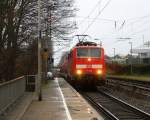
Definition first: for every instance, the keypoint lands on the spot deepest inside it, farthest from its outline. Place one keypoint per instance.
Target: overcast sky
(119, 19)
(132, 20)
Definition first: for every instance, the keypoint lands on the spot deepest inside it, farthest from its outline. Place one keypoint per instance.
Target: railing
(10, 91)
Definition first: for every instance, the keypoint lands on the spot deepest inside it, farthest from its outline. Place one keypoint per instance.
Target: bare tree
(10, 21)
(18, 29)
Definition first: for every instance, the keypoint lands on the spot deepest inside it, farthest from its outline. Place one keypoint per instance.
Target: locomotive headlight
(99, 72)
(79, 72)
(89, 59)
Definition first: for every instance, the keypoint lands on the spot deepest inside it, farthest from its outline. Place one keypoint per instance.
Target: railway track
(140, 84)
(139, 88)
(114, 108)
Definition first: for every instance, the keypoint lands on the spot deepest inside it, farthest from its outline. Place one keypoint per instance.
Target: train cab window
(96, 52)
(88, 52)
(82, 52)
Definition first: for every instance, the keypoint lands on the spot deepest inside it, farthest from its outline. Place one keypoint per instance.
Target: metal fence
(10, 91)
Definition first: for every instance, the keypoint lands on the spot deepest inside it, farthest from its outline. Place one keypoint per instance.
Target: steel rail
(144, 114)
(101, 108)
(114, 108)
(129, 84)
(135, 82)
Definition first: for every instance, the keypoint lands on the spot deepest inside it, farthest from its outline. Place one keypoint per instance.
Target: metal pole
(114, 53)
(50, 15)
(131, 70)
(143, 39)
(100, 41)
(39, 52)
(113, 62)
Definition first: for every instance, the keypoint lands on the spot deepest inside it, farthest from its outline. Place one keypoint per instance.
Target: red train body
(84, 64)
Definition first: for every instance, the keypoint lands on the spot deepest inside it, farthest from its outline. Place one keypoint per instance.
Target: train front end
(89, 65)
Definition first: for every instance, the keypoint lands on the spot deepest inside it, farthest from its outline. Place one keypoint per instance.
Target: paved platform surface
(79, 108)
(16, 110)
(60, 102)
(50, 108)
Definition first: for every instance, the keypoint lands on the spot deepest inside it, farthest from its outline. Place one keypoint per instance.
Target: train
(84, 65)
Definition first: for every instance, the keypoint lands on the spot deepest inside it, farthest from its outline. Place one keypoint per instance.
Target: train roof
(87, 47)
(87, 44)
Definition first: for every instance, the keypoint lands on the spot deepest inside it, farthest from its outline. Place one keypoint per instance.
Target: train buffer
(59, 102)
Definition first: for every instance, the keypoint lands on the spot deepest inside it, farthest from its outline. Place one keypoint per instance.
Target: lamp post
(131, 68)
(39, 53)
(124, 39)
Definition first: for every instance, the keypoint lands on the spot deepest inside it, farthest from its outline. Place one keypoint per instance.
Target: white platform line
(64, 102)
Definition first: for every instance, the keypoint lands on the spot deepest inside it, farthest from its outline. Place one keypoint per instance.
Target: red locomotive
(84, 64)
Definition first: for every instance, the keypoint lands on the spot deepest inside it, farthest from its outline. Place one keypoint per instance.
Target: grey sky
(132, 11)
(135, 13)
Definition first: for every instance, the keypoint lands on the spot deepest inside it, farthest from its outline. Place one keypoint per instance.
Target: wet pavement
(59, 102)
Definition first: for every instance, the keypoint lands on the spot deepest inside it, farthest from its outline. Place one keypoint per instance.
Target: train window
(88, 52)
(82, 52)
(95, 52)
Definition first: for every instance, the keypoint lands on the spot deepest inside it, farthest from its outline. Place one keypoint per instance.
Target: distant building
(134, 59)
(120, 59)
(117, 59)
(143, 52)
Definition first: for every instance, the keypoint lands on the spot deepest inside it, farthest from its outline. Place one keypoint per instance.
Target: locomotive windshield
(88, 52)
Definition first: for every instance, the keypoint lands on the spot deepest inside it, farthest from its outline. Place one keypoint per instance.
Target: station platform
(59, 102)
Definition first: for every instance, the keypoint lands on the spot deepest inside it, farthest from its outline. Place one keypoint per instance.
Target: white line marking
(64, 101)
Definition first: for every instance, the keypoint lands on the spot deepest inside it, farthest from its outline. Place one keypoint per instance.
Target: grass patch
(132, 77)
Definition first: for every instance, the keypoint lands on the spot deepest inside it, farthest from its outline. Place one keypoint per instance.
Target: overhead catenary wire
(135, 20)
(123, 25)
(99, 19)
(146, 28)
(138, 18)
(94, 8)
(97, 16)
(140, 31)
